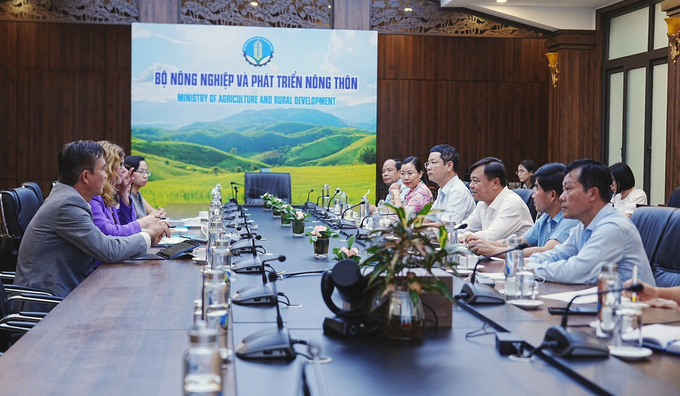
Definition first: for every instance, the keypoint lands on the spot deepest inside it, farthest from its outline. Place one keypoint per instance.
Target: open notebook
(657, 336)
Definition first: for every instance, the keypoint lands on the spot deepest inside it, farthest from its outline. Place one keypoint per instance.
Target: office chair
(257, 183)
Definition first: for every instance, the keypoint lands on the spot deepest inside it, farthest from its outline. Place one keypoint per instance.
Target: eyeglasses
(147, 172)
(431, 163)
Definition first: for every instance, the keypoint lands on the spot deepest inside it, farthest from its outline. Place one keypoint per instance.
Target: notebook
(657, 336)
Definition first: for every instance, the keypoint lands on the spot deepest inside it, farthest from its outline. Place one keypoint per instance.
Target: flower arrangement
(300, 215)
(404, 244)
(348, 252)
(288, 212)
(321, 232)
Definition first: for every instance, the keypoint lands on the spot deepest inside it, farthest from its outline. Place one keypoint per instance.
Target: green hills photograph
(315, 147)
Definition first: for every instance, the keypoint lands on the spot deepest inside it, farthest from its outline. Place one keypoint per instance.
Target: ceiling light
(254, 3)
(408, 9)
(501, 1)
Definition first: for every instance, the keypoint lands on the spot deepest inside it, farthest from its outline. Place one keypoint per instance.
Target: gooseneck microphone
(461, 227)
(487, 258)
(478, 293)
(568, 344)
(259, 294)
(337, 191)
(310, 191)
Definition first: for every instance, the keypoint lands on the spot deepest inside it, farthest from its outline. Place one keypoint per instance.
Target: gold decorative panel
(109, 11)
(274, 13)
(428, 18)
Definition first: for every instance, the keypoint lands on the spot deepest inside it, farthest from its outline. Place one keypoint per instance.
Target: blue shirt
(404, 191)
(547, 228)
(609, 238)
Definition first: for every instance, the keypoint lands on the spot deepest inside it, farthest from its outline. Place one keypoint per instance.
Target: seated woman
(141, 174)
(525, 170)
(626, 196)
(412, 176)
(112, 212)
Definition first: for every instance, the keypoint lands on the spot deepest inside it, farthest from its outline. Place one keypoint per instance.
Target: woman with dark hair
(626, 197)
(525, 170)
(412, 176)
(141, 176)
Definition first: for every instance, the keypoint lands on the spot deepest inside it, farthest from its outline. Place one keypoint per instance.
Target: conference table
(124, 331)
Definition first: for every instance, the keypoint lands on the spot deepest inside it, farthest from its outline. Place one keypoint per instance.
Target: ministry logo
(258, 51)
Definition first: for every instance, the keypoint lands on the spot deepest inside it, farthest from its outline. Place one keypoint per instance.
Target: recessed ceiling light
(254, 3)
(408, 9)
(329, 6)
(501, 1)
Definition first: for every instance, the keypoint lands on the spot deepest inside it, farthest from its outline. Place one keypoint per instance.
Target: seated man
(454, 199)
(390, 176)
(604, 235)
(61, 243)
(500, 212)
(551, 229)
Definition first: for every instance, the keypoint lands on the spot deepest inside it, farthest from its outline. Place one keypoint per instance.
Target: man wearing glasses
(454, 199)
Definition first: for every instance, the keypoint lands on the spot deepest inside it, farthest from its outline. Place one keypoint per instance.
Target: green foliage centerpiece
(277, 207)
(287, 215)
(320, 237)
(267, 199)
(396, 251)
(299, 223)
(348, 252)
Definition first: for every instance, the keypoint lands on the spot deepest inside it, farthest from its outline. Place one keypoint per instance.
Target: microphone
(259, 294)
(337, 191)
(461, 227)
(268, 343)
(479, 293)
(577, 344)
(346, 223)
(307, 203)
(487, 258)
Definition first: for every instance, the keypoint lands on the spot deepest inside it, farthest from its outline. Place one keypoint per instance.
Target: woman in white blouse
(626, 197)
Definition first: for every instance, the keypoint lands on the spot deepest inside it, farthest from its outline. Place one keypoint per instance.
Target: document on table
(567, 296)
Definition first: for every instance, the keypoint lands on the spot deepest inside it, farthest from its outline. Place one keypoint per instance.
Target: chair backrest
(257, 183)
(527, 196)
(19, 205)
(666, 264)
(651, 222)
(674, 200)
(36, 189)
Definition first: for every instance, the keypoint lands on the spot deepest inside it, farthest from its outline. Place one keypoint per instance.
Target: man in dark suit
(61, 243)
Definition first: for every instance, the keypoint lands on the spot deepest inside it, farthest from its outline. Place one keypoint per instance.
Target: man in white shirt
(454, 199)
(500, 212)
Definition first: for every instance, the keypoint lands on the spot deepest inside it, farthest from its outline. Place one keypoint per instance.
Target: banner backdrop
(212, 102)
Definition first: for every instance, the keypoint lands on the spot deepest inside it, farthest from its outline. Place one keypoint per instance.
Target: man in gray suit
(61, 243)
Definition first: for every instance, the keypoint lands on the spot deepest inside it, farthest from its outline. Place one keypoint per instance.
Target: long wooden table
(124, 331)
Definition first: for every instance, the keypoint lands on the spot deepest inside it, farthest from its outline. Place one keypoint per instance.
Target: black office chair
(666, 265)
(17, 208)
(527, 196)
(257, 183)
(674, 200)
(14, 323)
(651, 222)
(36, 189)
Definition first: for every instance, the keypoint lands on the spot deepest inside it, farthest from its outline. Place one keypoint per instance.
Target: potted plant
(348, 252)
(395, 252)
(267, 201)
(320, 237)
(277, 205)
(287, 215)
(299, 223)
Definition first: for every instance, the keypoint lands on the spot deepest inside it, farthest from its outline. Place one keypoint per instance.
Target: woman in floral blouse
(412, 177)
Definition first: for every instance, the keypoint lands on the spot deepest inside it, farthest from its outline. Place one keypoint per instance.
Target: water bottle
(607, 302)
(202, 363)
(514, 261)
(221, 256)
(326, 195)
(364, 208)
(215, 306)
(451, 240)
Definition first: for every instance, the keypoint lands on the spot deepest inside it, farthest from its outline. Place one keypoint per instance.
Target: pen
(633, 298)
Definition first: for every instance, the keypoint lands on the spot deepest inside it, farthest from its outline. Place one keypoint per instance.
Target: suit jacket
(61, 244)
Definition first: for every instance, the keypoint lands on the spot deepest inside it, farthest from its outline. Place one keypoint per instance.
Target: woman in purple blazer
(112, 211)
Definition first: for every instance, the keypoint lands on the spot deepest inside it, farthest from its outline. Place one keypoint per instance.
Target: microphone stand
(479, 293)
(337, 191)
(346, 223)
(577, 344)
(268, 343)
(263, 294)
(307, 203)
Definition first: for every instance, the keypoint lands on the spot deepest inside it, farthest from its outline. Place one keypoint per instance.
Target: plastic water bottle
(451, 240)
(514, 261)
(202, 363)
